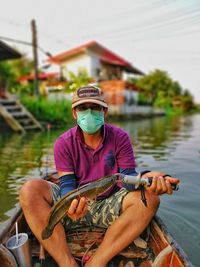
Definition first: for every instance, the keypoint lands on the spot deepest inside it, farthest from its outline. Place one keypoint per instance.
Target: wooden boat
(156, 247)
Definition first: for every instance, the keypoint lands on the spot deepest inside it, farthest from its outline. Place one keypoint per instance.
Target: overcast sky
(151, 34)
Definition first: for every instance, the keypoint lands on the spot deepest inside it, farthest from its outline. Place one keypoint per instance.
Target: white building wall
(76, 63)
(95, 64)
(89, 61)
(131, 97)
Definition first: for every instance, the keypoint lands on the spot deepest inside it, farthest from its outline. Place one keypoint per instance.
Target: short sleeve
(124, 151)
(62, 156)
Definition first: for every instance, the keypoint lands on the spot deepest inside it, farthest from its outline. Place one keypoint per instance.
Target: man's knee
(153, 201)
(135, 199)
(32, 190)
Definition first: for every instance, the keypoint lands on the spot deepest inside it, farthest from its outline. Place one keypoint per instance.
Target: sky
(151, 34)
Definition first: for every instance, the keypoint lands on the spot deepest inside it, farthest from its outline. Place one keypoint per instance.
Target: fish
(91, 191)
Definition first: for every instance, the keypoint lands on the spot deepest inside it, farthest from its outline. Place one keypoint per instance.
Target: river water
(168, 144)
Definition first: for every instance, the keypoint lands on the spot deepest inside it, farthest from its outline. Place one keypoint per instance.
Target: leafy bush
(54, 111)
(143, 100)
(162, 91)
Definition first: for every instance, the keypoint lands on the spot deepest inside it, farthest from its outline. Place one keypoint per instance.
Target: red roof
(105, 55)
(41, 76)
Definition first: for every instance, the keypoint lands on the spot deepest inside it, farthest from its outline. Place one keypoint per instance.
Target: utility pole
(35, 56)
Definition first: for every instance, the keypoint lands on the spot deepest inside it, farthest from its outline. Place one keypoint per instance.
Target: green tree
(162, 91)
(187, 101)
(158, 84)
(7, 74)
(12, 70)
(75, 81)
(22, 66)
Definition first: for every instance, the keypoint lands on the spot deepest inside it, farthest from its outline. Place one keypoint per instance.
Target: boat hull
(159, 250)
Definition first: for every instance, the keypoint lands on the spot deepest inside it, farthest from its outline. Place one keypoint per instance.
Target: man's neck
(93, 140)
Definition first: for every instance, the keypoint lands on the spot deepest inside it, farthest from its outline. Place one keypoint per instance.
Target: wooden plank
(15, 114)
(10, 120)
(24, 110)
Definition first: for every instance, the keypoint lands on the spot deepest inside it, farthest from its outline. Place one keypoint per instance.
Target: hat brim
(89, 100)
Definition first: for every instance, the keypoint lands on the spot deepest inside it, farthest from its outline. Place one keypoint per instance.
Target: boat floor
(156, 246)
(48, 262)
(85, 242)
(117, 261)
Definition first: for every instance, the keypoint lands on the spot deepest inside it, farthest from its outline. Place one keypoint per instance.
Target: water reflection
(157, 137)
(22, 157)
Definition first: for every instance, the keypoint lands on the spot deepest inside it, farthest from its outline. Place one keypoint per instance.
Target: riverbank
(57, 112)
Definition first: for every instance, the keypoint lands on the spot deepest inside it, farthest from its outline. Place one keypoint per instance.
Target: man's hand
(77, 209)
(160, 185)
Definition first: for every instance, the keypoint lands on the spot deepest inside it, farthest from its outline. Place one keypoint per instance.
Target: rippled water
(171, 145)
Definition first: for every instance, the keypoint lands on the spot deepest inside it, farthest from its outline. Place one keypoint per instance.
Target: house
(100, 62)
(109, 71)
(104, 66)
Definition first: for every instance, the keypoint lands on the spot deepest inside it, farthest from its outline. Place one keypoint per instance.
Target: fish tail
(46, 233)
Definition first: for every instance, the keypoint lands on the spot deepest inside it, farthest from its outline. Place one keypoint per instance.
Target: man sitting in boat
(91, 150)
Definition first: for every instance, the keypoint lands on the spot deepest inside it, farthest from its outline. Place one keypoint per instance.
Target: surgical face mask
(90, 121)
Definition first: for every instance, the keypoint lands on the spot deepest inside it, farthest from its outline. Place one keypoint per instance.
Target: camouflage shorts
(100, 213)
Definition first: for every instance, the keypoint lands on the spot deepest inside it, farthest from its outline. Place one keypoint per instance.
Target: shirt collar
(79, 134)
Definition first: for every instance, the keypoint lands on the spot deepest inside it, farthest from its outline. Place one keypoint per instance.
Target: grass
(54, 111)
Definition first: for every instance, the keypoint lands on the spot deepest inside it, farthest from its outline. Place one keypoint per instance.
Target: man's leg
(133, 220)
(36, 202)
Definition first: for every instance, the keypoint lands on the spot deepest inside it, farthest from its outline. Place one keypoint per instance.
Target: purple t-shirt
(115, 151)
(71, 154)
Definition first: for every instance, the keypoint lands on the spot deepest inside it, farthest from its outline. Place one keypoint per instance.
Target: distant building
(100, 62)
(105, 67)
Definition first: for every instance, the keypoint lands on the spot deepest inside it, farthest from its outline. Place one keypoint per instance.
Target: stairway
(17, 116)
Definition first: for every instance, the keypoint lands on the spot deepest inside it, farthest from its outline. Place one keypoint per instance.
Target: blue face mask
(90, 121)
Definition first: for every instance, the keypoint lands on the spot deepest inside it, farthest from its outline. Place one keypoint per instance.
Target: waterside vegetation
(161, 91)
(53, 111)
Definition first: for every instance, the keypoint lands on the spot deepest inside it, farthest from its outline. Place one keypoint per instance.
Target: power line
(48, 54)
(137, 10)
(182, 26)
(154, 38)
(155, 21)
(165, 24)
(15, 40)
(166, 21)
(165, 32)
